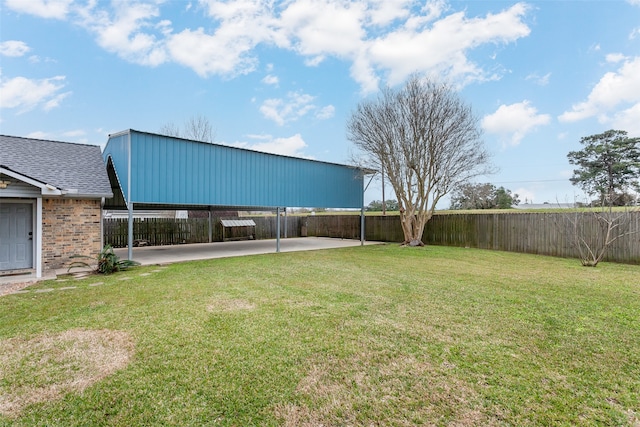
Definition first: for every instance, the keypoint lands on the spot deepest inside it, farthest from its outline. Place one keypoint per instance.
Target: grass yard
(380, 335)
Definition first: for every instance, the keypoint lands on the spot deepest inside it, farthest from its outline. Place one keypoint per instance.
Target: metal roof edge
(124, 132)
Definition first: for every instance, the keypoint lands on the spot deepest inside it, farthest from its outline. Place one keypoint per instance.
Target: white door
(16, 236)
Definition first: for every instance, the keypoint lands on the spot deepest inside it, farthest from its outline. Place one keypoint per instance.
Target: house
(545, 205)
(51, 197)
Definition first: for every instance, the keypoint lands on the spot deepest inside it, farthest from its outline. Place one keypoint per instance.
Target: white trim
(50, 190)
(45, 189)
(38, 238)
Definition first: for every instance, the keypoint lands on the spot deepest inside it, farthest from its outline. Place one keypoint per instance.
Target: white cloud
(539, 80)
(121, 32)
(55, 101)
(74, 133)
(441, 47)
(613, 89)
(39, 135)
(634, 2)
(13, 48)
(228, 48)
(56, 9)
(279, 110)
(290, 146)
(317, 28)
(385, 12)
(26, 94)
(628, 119)
(514, 121)
(390, 38)
(634, 33)
(271, 80)
(615, 57)
(208, 55)
(326, 112)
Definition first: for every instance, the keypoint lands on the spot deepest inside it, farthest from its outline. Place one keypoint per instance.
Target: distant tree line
(482, 196)
(377, 205)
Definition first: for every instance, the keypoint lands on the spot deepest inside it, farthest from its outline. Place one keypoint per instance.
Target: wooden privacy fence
(536, 233)
(170, 231)
(156, 231)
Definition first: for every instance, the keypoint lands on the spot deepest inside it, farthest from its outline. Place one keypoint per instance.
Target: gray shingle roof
(64, 165)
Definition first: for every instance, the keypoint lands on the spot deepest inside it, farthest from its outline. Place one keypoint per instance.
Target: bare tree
(170, 129)
(426, 140)
(592, 232)
(197, 128)
(608, 166)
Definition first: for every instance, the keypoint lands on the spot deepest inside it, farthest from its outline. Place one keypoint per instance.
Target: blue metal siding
(168, 170)
(117, 150)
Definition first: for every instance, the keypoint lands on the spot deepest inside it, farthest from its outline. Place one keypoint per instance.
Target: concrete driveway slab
(197, 251)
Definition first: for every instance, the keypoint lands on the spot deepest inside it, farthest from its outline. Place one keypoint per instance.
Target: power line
(532, 181)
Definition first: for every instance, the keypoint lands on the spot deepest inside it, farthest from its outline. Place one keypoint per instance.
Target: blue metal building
(155, 171)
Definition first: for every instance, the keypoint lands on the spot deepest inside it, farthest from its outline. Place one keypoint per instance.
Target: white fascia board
(45, 189)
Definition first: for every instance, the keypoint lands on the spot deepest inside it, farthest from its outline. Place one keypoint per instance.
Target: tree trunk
(413, 228)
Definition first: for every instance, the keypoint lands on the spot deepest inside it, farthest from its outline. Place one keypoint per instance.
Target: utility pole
(384, 202)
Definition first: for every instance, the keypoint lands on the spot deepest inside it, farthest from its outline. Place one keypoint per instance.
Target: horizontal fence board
(535, 233)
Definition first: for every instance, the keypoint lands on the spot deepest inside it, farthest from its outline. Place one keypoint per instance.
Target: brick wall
(69, 227)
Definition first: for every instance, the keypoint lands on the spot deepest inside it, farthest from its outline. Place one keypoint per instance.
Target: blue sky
(284, 76)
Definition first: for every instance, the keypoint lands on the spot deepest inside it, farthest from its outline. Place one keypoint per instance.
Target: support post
(362, 224)
(278, 229)
(362, 209)
(130, 233)
(210, 224)
(130, 204)
(285, 223)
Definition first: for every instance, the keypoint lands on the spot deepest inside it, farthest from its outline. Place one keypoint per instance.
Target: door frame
(36, 218)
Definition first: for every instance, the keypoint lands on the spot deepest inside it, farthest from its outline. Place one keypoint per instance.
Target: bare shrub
(592, 233)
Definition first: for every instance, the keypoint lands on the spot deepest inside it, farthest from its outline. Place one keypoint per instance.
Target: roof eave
(45, 189)
(52, 190)
(88, 195)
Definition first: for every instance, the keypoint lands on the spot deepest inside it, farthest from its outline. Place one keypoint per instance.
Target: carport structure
(151, 171)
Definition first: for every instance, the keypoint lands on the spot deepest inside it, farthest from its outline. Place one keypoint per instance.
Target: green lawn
(376, 335)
